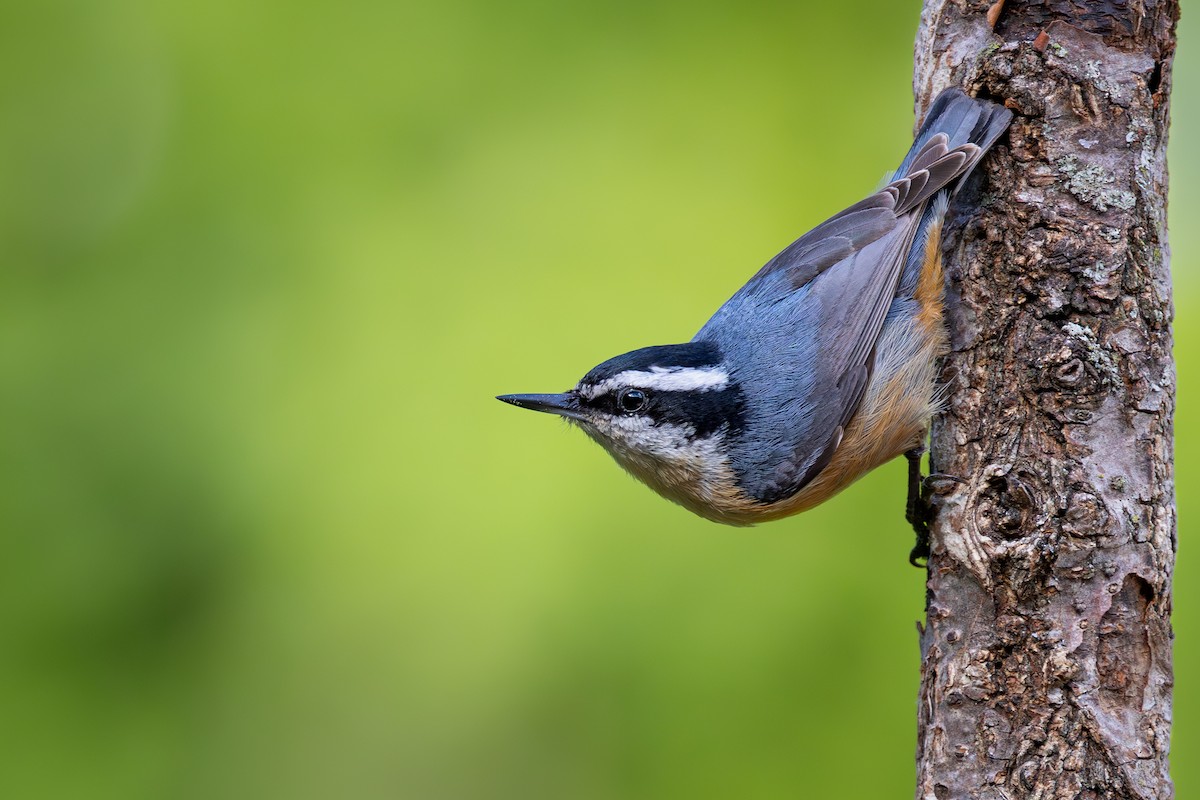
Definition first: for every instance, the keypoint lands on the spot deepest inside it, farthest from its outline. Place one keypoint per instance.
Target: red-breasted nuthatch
(819, 369)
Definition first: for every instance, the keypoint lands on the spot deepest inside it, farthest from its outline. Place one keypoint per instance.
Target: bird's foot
(920, 508)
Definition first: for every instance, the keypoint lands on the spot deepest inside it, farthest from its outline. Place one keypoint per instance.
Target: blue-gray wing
(800, 335)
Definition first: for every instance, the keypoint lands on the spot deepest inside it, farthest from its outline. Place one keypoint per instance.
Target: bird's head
(667, 414)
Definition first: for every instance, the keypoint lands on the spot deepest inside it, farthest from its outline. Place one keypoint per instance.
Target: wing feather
(800, 336)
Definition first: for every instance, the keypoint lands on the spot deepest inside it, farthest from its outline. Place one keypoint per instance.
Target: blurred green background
(265, 531)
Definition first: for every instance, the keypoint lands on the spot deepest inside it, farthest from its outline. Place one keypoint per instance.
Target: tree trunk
(1046, 658)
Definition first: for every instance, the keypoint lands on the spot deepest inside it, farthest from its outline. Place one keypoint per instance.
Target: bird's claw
(921, 507)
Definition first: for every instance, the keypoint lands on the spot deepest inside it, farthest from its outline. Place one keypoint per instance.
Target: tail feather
(962, 120)
(957, 132)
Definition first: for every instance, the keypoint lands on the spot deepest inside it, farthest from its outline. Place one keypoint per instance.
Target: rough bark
(1046, 656)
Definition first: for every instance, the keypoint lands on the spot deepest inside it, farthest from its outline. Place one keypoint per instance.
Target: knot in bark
(1086, 516)
(1004, 506)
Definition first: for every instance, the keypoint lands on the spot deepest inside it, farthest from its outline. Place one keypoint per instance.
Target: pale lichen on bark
(1046, 656)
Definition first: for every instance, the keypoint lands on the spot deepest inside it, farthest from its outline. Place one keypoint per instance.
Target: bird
(819, 369)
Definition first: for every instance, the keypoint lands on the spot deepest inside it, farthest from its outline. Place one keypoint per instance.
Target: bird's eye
(632, 400)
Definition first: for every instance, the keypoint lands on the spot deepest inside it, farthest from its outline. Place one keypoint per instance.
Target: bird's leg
(920, 508)
(917, 511)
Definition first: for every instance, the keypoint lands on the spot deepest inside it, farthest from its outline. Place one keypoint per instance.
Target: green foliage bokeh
(265, 531)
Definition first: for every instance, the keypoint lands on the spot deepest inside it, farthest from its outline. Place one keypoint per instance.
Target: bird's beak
(565, 404)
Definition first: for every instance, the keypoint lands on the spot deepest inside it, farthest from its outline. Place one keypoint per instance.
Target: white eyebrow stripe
(684, 379)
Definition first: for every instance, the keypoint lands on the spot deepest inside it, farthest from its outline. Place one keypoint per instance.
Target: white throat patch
(663, 379)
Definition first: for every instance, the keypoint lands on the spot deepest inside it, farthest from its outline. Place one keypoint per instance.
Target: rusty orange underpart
(930, 285)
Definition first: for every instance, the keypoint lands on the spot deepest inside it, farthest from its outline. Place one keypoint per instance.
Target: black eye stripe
(707, 412)
(606, 403)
